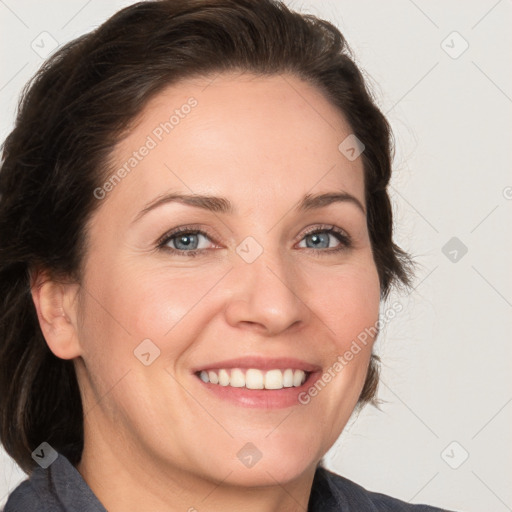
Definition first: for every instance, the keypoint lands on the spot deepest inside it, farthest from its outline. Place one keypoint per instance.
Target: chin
(276, 469)
(273, 458)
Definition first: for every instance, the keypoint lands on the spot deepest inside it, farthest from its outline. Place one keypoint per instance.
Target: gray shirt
(61, 488)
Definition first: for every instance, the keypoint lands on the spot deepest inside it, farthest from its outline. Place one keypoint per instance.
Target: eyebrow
(223, 205)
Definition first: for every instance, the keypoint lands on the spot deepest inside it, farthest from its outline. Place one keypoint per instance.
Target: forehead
(256, 138)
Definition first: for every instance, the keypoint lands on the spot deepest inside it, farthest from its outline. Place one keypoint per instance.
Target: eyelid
(196, 228)
(323, 227)
(343, 237)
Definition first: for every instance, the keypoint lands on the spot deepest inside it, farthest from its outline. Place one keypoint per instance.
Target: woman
(195, 233)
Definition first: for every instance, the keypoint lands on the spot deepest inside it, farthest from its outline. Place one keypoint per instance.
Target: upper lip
(262, 363)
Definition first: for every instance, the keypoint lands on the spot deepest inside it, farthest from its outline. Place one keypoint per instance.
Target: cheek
(168, 306)
(349, 302)
(349, 306)
(166, 302)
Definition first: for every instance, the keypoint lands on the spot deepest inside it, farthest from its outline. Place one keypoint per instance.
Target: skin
(155, 439)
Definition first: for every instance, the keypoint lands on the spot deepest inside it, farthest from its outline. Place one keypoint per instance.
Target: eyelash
(345, 239)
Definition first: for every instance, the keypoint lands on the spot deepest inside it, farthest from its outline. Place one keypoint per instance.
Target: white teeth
(288, 378)
(298, 378)
(274, 379)
(254, 378)
(223, 378)
(237, 379)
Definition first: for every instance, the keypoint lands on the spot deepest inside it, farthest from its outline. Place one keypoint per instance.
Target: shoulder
(23, 498)
(332, 492)
(57, 488)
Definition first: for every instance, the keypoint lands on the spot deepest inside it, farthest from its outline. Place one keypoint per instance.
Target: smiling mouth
(254, 378)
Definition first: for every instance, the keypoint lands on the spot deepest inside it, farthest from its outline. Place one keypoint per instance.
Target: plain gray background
(441, 73)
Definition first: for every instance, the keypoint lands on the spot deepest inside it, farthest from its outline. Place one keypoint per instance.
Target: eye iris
(186, 241)
(319, 237)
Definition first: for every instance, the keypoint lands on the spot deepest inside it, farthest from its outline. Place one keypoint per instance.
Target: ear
(56, 306)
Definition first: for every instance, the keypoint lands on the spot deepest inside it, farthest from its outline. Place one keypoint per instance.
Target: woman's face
(256, 281)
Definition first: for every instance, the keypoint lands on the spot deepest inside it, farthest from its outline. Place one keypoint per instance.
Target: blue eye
(186, 241)
(320, 239)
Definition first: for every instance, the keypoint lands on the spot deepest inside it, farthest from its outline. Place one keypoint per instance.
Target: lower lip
(260, 398)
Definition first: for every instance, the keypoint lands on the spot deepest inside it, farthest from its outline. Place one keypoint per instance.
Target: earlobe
(56, 310)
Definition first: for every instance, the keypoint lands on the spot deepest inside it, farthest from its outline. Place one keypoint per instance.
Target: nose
(268, 296)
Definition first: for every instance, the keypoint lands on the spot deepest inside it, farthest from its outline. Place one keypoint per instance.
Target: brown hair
(71, 115)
